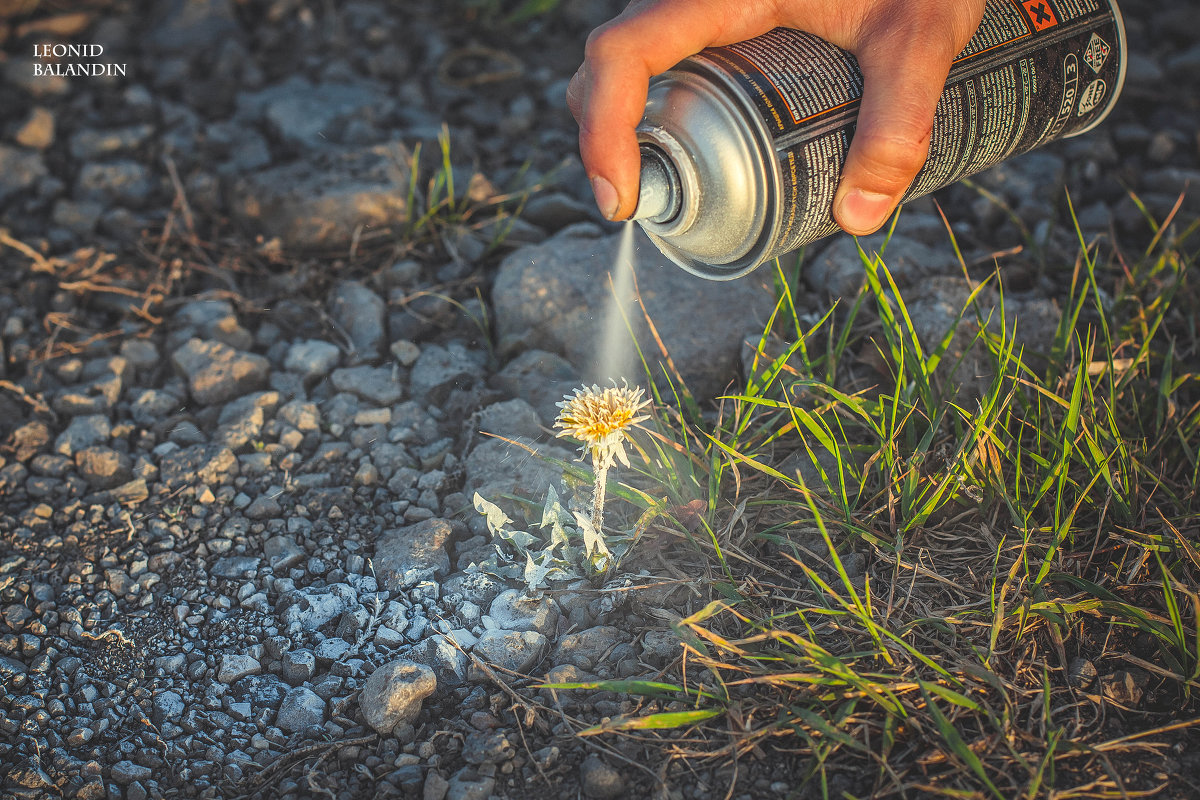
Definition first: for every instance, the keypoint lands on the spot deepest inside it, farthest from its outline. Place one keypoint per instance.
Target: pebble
(301, 709)
(405, 556)
(216, 372)
(359, 312)
(598, 779)
(394, 692)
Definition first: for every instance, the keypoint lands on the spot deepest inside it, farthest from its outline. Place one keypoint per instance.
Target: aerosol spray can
(743, 145)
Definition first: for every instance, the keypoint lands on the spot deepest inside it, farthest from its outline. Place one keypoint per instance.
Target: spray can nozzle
(660, 194)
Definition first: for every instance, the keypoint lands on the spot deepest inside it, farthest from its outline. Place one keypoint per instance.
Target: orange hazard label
(1040, 14)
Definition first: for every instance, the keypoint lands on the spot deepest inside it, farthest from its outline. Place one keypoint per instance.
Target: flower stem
(598, 496)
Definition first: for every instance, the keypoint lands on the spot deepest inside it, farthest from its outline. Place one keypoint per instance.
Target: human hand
(904, 48)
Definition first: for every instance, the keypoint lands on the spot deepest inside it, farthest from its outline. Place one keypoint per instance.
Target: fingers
(608, 93)
(904, 61)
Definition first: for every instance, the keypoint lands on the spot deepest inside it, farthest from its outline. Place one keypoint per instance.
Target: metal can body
(757, 132)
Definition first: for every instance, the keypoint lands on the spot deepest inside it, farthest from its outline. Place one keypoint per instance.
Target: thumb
(904, 73)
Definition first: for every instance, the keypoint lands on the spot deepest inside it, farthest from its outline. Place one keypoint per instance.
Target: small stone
(208, 464)
(394, 693)
(360, 313)
(439, 370)
(121, 182)
(435, 786)
(301, 709)
(37, 131)
(235, 567)
(217, 373)
(312, 359)
(81, 433)
(1082, 673)
(126, 772)
(1126, 687)
(513, 610)
(19, 170)
(332, 649)
(103, 467)
(376, 385)
(406, 556)
(298, 666)
(282, 553)
(490, 747)
(585, 649)
(235, 667)
(597, 779)
(467, 784)
(518, 651)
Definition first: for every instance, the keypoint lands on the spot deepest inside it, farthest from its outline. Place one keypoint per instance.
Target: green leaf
(653, 722)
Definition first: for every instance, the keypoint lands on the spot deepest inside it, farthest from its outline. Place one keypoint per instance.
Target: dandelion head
(600, 418)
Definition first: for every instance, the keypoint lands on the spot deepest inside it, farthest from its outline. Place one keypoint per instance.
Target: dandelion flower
(600, 419)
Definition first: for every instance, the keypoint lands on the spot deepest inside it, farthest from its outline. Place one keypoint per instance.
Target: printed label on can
(1016, 85)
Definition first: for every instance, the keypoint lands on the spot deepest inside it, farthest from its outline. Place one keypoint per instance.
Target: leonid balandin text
(73, 69)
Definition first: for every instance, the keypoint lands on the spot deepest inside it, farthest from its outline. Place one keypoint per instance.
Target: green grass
(1018, 506)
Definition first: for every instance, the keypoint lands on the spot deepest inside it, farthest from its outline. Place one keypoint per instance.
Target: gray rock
(496, 468)
(312, 359)
(103, 467)
(126, 772)
(394, 693)
(192, 25)
(509, 418)
(10, 667)
(587, 648)
(79, 218)
(376, 385)
(518, 651)
(167, 706)
(1082, 673)
(488, 747)
(19, 170)
(234, 667)
(215, 372)
(439, 370)
(122, 181)
(513, 610)
(479, 588)
(282, 553)
(307, 116)
(301, 415)
(206, 464)
(466, 784)
(301, 709)
(299, 666)
(213, 319)
(661, 645)
(318, 203)
(312, 608)
(442, 655)
(405, 556)
(81, 433)
(149, 406)
(232, 568)
(89, 144)
(598, 779)
(332, 649)
(552, 296)
(360, 313)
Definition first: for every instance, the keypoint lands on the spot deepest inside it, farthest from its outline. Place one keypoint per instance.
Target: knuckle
(892, 158)
(605, 43)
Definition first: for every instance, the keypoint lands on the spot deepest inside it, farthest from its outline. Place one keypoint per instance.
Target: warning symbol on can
(1040, 14)
(1096, 53)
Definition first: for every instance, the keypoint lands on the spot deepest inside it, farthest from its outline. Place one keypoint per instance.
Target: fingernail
(863, 212)
(606, 197)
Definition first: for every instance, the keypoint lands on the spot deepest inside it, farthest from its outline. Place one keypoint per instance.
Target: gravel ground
(236, 525)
